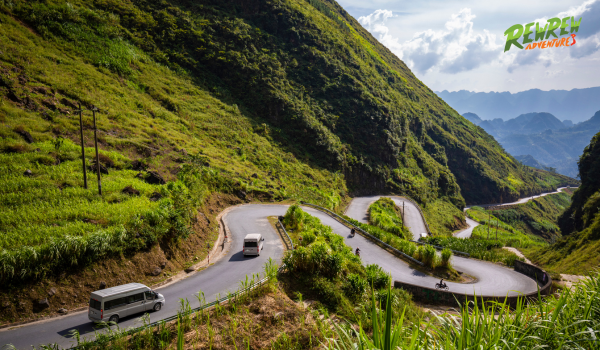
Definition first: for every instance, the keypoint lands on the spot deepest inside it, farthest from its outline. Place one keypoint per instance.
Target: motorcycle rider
(352, 233)
(442, 284)
(357, 251)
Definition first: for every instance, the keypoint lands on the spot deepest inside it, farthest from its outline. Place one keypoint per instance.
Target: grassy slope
(191, 75)
(332, 94)
(577, 252)
(221, 143)
(538, 217)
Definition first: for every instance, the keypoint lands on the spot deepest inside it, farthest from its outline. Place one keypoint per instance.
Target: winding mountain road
(224, 275)
(466, 233)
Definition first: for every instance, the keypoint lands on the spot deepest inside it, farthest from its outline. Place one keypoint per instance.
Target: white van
(114, 303)
(253, 244)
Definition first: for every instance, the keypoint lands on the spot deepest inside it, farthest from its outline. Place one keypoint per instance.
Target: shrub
(376, 277)
(327, 291)
(355, 286)
(307, 238)
(428, 256)
(446, 255)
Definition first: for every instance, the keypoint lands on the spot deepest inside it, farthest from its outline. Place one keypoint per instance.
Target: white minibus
(253, 244)
(114, 303)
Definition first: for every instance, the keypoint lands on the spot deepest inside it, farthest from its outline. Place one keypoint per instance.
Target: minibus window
(250, 244)
(95, 304)
(149, 295)
(135, 298)
(115, 303)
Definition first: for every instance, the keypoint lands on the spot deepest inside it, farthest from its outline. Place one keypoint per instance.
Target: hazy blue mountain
(568, 123)
(530, 161)
(573, 104)
(558, 149)
(473, 118)
(525, 124)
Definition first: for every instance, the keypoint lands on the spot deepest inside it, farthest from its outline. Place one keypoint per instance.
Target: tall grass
(384, 214)
(484, 249)
(570, 321)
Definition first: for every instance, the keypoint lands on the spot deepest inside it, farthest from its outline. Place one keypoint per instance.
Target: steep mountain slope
(573, 104)
(578, 252)
(261, 99)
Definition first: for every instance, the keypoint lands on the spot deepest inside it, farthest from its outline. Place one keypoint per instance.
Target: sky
(459, 45)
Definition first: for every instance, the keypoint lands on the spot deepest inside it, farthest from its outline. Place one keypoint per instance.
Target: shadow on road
(239, 256)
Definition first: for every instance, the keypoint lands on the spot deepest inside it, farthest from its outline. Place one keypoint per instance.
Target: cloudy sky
(458, 45)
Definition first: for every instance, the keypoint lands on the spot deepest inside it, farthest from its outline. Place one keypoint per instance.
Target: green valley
(215, 120)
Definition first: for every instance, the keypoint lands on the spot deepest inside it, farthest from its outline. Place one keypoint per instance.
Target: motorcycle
(441, 286)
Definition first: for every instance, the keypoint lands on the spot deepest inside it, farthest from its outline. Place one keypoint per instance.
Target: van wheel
(114, 318)
(157, 307)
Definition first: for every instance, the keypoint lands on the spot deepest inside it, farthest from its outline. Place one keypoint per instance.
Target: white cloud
(375, 24)
(454, 49)
(459, 48)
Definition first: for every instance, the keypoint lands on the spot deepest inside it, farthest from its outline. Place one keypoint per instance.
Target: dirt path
(518, 253)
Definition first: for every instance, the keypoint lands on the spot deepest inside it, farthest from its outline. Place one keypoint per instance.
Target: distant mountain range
(573, 105)
(541, 140)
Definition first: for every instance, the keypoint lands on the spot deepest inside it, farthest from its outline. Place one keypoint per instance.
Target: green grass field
(157, 117)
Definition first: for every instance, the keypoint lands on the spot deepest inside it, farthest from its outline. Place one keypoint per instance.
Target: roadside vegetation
(493, 228)
(323, 268)
(539, 216)
(569, 321)
(483, 249)
(263, 318)
(387, 216)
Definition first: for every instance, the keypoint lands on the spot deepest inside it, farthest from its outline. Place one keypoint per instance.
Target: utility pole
(82, 148)
(97, 156)
(497, 224)
(403, 214)
(489, 222)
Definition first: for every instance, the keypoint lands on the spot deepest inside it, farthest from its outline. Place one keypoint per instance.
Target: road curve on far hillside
(466, 233)
(492, 279)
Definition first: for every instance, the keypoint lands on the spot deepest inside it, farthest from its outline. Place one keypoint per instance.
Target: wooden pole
(82, 148)
(489, 221)
(497, 224)
(97, 156)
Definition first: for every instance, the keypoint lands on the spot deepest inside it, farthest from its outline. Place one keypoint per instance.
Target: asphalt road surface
(492, 279)
(224, 276)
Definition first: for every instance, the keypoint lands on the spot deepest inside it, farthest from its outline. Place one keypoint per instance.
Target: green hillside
(266, 100)
(577, 253)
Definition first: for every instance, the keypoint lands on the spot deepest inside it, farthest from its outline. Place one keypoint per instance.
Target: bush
(376, 277)
(428, 256)
(327, 291)
(307, 238)
(446, 255)
(355, 286)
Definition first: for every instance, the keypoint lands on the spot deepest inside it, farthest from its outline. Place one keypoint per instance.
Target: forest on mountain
(577, 251)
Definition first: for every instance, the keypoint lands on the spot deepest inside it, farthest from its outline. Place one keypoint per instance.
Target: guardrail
(442, 248)
(189, 312)
(428, 230)
(337, 217)
(285, 231)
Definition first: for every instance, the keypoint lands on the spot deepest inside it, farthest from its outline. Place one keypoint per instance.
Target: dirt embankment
(70, 290)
